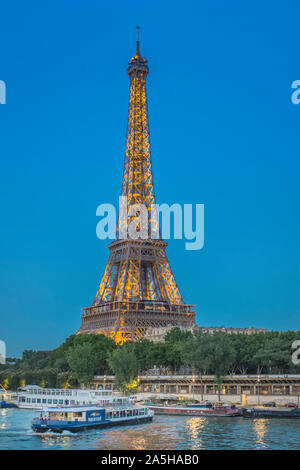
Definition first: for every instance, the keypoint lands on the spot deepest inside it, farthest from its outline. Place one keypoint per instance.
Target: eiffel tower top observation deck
(138, 289)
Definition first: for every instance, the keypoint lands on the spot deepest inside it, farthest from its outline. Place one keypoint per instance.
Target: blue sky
(224, 132)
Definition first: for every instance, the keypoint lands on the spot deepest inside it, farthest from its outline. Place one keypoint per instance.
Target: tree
(102, 347)
(141, 350)
(83, 362)
(157, 354)
(222, 354)
(274, 357)
(124, 365)
(177, 335)
(174, 356)
(196, 353)
(35, 359)
(210, 354)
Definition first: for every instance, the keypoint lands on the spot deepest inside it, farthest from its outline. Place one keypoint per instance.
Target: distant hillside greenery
(80, 357)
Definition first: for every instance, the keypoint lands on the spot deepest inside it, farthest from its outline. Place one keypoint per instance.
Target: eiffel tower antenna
(138, 289)
(138, 40)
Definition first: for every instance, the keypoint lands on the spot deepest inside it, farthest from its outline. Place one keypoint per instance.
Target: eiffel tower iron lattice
(138, 289)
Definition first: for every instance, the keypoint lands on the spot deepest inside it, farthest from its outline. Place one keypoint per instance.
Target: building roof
(31, 387)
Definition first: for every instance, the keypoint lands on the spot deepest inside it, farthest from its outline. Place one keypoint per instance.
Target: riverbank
(244, 400)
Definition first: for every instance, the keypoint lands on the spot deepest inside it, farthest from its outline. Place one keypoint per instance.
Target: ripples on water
(165, 433)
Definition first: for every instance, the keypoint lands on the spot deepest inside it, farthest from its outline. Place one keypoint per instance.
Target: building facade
(157, 335)
(254, 389)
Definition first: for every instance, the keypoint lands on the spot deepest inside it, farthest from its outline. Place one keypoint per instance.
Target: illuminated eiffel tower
(138, 289)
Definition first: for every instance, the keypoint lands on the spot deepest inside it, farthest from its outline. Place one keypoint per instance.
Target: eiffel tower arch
(138, 289)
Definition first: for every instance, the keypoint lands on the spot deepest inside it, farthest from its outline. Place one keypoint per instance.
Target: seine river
(163, 433)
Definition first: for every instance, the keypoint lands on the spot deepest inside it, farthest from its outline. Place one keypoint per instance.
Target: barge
(271, 413)
(196, 410)
(82, 418)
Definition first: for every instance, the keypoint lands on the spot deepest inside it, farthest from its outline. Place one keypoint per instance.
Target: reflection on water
(148, 436)
(50, 440)
(195, 427)
(166, 433)
(260, 427)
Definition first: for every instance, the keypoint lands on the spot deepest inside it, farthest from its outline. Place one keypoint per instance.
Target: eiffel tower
(138, 289)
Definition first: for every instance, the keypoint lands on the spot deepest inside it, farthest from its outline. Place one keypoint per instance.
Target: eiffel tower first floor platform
(129, 320)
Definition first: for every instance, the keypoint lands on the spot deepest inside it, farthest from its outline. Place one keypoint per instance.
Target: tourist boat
(196, 410)
(81, 418)
(38, 398)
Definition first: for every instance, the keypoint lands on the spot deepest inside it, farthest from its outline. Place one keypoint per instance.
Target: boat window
(56, 416)
(61, 402)
(54, 402)
(44, 400)
(38, 400)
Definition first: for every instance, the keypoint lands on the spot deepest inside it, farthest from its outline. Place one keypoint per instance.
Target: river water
(163, 433)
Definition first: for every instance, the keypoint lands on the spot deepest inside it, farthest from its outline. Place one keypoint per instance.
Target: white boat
(38, 398)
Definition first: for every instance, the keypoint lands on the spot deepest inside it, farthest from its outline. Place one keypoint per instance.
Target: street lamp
(138, 382)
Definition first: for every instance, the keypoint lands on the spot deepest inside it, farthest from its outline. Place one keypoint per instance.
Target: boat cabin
(90, 414)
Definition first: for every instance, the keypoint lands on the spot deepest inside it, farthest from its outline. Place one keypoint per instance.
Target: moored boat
(197, 410)
(35, 397)
(81, 418)
(4, 404)
(271, 413)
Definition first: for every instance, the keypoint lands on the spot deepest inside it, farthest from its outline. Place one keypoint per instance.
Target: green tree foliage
(124, 365)
(218, 354)
(83, 362)
(101, 346)
(35, 359)
(209, 354)
(177, 336)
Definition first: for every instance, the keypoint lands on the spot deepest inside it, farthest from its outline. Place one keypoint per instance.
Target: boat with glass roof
(82, 418)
